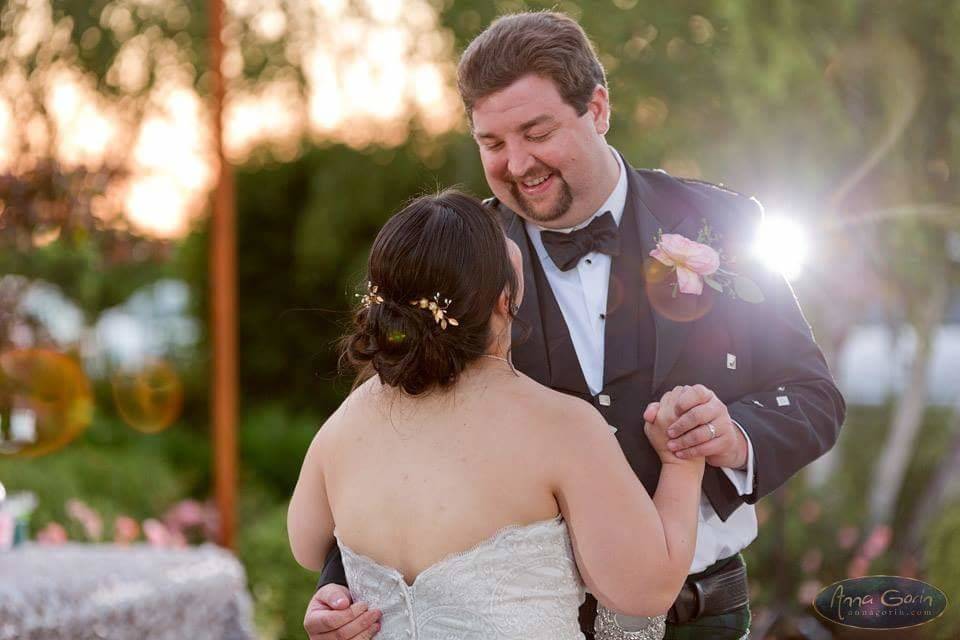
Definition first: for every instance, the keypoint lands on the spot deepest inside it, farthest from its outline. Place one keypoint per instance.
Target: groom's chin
(539, 212)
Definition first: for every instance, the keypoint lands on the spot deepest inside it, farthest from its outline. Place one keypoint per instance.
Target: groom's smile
(535, 195)
(537, 185)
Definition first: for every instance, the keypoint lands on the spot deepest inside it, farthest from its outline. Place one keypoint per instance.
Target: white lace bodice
(522, 583)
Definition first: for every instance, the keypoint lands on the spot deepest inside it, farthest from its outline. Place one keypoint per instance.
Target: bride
(469, 501)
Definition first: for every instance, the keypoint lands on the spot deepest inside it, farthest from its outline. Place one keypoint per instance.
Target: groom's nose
(519, 161)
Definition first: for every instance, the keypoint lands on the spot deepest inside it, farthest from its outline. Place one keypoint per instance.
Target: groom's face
(539, 157)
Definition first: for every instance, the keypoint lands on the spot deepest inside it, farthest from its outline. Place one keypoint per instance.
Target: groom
(604, 321)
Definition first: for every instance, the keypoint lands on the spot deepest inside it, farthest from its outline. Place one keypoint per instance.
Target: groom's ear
(599, 109)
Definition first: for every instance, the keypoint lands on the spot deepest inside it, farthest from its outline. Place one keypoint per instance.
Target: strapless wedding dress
(521, 583)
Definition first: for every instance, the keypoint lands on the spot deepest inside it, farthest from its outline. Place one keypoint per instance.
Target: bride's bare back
(409, 481)
(412, 480)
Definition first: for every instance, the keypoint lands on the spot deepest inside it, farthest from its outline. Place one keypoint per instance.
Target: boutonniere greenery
(698, 262)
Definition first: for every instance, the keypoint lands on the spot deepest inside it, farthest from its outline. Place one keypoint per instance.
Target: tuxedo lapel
(671, 334)
(547, 355)
(621, 338)
(529, 351)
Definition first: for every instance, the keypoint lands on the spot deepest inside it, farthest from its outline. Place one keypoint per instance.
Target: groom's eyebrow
(529, 124)
(523, 127)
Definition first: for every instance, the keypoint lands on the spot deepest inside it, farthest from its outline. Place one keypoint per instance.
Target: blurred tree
(56, 226)
(838, 113)
(304, 229)
(944, 488)
(912, 255)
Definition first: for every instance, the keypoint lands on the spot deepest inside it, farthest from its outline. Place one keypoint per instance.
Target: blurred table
(109, 592)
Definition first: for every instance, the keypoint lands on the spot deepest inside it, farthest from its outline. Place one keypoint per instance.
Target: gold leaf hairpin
(438, 309)
(371, 297)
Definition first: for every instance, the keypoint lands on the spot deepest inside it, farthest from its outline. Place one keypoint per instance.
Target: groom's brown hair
(544, 43)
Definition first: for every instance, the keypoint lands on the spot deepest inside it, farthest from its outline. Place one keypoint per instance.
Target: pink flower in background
(88, 518)
(811, 561)
(159, 535)
(858, 567)
(693, 260)
(185, 514)
(125, 530)
(847, 536)
(52, 534)
(156, 533)
(877, 542)
(192, 516)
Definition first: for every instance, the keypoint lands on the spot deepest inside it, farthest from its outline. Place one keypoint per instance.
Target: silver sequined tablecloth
(108, 592)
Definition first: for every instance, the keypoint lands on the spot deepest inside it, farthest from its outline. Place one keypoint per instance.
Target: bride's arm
(309, 519)
(633, 552)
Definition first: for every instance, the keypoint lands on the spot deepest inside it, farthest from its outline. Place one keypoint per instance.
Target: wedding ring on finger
(713, 430)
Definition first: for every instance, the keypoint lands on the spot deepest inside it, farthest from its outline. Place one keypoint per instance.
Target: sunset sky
(371, 69)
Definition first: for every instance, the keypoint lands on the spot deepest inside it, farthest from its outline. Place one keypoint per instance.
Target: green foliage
(303, 233)
(280, 587)
(137, 481)
(944, 563)
(273, 442)
(804, 543)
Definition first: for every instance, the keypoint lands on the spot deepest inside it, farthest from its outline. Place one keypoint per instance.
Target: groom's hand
(695, 409)
(330, 616)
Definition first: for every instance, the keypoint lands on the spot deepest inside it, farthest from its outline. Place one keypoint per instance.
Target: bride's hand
(331, 616)
(657, 418)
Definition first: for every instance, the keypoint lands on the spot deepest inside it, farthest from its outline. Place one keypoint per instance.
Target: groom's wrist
(744, 447)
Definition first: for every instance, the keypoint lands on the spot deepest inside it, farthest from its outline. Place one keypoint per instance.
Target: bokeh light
(781, 245)
(45, 402)
(149, 398)
(666, 298)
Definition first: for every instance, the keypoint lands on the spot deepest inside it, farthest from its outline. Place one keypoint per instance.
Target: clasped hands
(680, 422)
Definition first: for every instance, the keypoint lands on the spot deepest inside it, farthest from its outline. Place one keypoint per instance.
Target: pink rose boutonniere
(697, 262)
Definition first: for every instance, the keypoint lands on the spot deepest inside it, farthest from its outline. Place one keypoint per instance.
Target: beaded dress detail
(521, 583)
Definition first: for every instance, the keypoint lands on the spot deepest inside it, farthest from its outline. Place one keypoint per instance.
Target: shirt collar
(614, 203)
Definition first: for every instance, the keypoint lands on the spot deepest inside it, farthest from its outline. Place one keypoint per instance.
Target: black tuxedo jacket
(751, 355)
(760, 359)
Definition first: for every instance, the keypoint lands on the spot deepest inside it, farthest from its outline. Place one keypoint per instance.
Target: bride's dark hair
(447, 244)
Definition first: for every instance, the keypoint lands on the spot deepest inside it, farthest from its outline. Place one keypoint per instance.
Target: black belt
(720, 589)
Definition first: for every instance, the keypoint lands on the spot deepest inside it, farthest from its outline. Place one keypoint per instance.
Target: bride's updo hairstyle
(445, 246)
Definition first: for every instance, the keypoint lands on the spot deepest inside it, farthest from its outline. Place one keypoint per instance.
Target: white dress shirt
(581, 293)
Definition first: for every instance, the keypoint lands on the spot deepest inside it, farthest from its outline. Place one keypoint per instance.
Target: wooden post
(223, 296)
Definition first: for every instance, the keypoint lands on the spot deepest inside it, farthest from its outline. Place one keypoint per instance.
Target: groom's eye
(493, 146)
(539, 138)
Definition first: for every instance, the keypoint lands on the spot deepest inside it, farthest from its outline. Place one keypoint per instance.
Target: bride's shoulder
(555, 409)
(351, 409)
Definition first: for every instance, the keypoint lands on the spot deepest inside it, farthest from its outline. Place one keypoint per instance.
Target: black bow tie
(566, 249)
